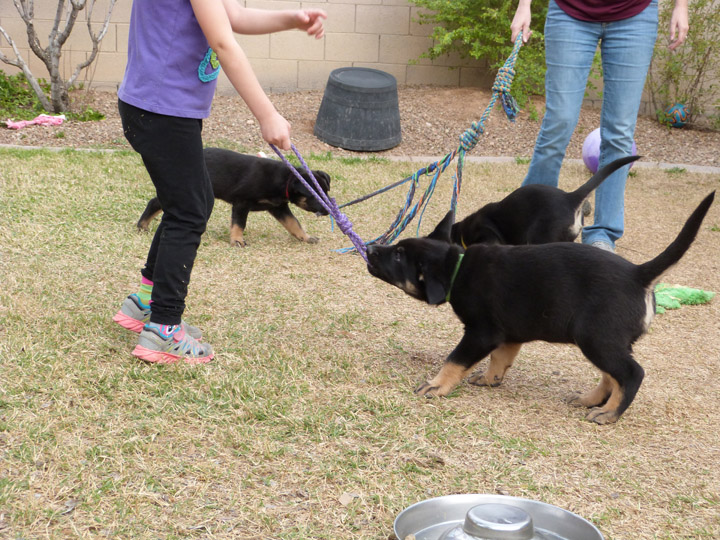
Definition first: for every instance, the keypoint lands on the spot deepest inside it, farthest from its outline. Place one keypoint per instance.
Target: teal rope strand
(468, 141)
(500, 89)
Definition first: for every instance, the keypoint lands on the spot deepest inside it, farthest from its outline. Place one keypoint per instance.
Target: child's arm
(262, 21)
(213, 17)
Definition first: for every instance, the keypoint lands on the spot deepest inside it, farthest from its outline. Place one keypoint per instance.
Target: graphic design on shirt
(212, 59)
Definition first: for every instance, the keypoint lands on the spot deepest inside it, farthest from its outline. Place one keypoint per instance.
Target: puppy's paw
(443, 383)
(593, 398)
(426, 389)
(312, 240)
(575, 400)
(600, 416)
(481, 379)
(429, 389)
(238, 243)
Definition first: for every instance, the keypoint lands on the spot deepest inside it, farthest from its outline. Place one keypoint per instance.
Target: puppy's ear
(442, 230)
(437, 273)
(456, 234)
(434, 290)
(323, 179)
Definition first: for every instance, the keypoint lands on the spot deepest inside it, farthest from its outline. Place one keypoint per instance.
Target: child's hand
(276, 130)
(311, 20)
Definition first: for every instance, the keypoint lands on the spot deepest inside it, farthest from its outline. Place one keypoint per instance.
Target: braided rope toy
(326, 201)
(468, 141)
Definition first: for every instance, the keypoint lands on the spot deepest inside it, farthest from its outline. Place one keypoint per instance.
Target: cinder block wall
(107, 70)
(380, 34)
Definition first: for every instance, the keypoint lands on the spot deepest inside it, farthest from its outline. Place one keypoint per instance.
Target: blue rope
(468, 141)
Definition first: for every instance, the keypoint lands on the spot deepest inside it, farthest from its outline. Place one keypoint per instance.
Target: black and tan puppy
(509, 295)
(534, 214)
(252, 184)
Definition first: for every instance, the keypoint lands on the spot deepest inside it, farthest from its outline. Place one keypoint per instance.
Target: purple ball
(591, 150)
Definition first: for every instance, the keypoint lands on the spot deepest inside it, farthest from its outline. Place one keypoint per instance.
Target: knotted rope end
(510, 106)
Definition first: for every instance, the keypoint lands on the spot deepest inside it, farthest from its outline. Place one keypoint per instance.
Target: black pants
(172, 151)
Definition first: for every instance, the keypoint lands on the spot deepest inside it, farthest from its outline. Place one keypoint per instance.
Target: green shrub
(480, 29)
(19, 102)
(689, 74)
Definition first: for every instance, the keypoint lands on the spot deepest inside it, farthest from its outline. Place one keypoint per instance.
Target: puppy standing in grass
(175, 51)
(561, 292)
(253, 184)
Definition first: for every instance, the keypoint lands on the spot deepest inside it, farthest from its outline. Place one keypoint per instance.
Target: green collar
(454, 275)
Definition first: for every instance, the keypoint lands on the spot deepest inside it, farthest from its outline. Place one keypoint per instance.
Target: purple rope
(327, 202)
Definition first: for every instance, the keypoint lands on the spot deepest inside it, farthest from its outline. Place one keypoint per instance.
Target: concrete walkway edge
(707, 169)
(504, 159)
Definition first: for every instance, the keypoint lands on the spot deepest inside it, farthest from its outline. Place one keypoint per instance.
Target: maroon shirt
(602, 10)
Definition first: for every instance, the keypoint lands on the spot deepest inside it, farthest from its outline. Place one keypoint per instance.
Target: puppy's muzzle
(374, 264)
(373, 253)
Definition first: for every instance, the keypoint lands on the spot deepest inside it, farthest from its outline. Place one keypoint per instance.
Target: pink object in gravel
(41, 120)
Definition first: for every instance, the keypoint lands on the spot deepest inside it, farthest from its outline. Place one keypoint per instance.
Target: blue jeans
(626, 48)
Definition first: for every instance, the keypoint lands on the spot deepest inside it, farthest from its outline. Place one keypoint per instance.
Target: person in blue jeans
(626, 31)
(176, 49)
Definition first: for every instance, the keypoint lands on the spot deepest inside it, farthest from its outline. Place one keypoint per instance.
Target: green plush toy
(673, 296)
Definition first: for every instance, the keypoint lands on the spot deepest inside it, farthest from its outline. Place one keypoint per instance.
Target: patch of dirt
(432, 119)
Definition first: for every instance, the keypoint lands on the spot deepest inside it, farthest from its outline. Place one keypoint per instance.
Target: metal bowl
(430, 519)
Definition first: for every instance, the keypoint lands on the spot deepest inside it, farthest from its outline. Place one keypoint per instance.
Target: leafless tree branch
(96, 39)
(65, 19)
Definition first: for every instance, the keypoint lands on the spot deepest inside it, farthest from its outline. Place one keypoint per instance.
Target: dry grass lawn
(306, 425)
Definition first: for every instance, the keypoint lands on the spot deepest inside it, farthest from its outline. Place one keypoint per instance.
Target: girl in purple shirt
(176, 49)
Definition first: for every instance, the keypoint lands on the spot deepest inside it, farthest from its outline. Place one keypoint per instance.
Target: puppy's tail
(652, 269)
(583, 191)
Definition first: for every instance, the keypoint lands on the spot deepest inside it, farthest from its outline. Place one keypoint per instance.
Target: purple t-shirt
(602, 10)
(171, 69)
